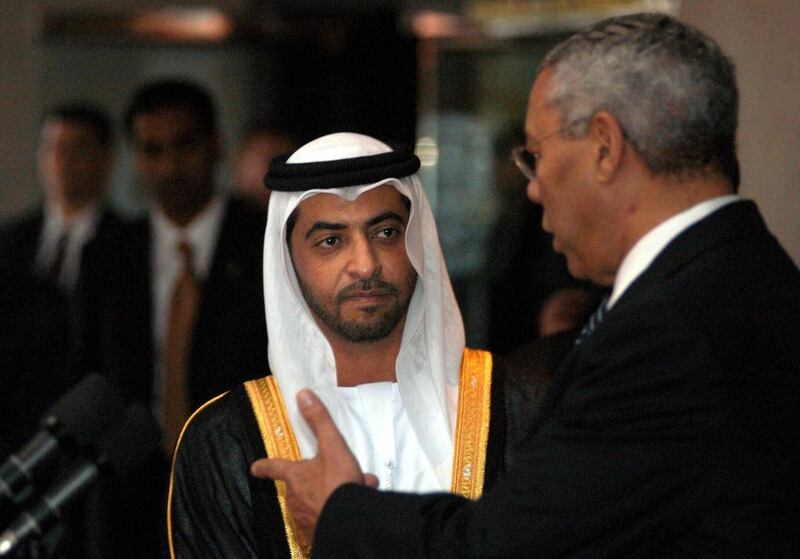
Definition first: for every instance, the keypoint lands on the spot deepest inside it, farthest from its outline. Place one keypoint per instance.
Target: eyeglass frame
(520, 154)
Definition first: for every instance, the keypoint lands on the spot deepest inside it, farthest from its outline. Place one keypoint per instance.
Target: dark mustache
(367, 286)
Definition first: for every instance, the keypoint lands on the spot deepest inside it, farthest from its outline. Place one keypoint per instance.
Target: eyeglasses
(526, 161)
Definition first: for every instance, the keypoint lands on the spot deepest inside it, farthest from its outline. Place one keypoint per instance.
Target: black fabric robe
(220, 511)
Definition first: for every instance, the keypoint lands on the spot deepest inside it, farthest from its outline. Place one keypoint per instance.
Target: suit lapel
(731, 222)
(224, 273)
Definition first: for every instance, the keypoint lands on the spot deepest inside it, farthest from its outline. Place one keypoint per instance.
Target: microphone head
(85, 412)
(130, 442)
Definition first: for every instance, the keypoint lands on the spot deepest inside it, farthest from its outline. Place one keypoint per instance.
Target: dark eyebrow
(385, 216)
(325, 226)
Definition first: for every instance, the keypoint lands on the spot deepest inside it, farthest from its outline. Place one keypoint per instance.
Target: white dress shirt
(79, 230)
(655, 241)
(167, 264)
(375, 424)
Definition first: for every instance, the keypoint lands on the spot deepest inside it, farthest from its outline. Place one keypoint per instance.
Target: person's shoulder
(31, 215)
(223, 414)
(243, 213)
(123, 230)
(111, 221)
(18, 227)
(223, 431)
(114, 230)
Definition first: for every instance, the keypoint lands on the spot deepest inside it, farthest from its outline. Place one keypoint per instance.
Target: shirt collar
(655, 241)
(80, 226)
(200, 233)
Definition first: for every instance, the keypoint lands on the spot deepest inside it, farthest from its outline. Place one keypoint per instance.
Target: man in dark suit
(52, 260)
(671, 428)
(184, 319)
(66, 241)
(173, 131)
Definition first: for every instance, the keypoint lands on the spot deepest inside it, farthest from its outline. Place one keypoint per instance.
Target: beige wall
(763, 39)
(19, 105)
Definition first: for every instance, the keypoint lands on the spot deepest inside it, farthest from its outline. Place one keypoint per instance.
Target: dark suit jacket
(37, 364)
(19, 242)
(229, 346)
(47, 339)
(229, 342)
(671, 432)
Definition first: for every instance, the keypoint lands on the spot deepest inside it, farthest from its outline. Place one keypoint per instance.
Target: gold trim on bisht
(471, 438)
(472, 426)
(279, 442)
(172, 471)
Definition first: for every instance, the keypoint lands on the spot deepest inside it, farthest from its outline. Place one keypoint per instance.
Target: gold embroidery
(280, 442)
(472, 433)
(172, 471)
(472, 425)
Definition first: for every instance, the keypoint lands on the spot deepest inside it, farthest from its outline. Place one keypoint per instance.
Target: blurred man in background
(66, 241)
(183, 317)
(53, 261)
(261, 142)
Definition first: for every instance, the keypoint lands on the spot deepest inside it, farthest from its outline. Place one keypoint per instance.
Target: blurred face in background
(73, 164)
(252, 163)
(176, 159)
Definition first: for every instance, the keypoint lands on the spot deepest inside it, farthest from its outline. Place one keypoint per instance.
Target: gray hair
(670, 87)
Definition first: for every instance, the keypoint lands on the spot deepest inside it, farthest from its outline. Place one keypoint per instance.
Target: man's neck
(667, 197)
(366, 362)
(68, 213)
(182, 219)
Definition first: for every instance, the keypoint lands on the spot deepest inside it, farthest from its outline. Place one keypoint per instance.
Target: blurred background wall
(763, 38)
(451, 76)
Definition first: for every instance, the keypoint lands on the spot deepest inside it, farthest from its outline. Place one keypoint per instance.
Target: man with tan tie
(203, 254)
(184, 319)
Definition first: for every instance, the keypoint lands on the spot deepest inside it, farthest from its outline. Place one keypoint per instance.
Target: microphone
(118, 452)
(77, 419)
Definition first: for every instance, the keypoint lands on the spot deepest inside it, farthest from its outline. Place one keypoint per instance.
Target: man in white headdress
(359, 308)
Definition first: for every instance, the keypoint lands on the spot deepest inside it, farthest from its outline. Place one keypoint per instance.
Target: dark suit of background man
(65, 240)
(193, 241)
(671, 430)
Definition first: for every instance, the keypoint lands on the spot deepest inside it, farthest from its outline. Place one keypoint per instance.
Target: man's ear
(609, 144)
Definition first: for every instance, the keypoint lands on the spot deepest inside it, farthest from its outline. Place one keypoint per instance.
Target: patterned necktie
(593, 322)
(177, 347)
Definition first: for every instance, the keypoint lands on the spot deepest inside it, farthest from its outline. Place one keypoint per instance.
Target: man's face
(351, 263)
(73, 164)
(176, 158)
(564, 186)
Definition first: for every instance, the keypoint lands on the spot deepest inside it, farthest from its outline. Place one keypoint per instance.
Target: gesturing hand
(309, 483)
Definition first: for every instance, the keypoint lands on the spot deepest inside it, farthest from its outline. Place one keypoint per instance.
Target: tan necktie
(177, 348)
